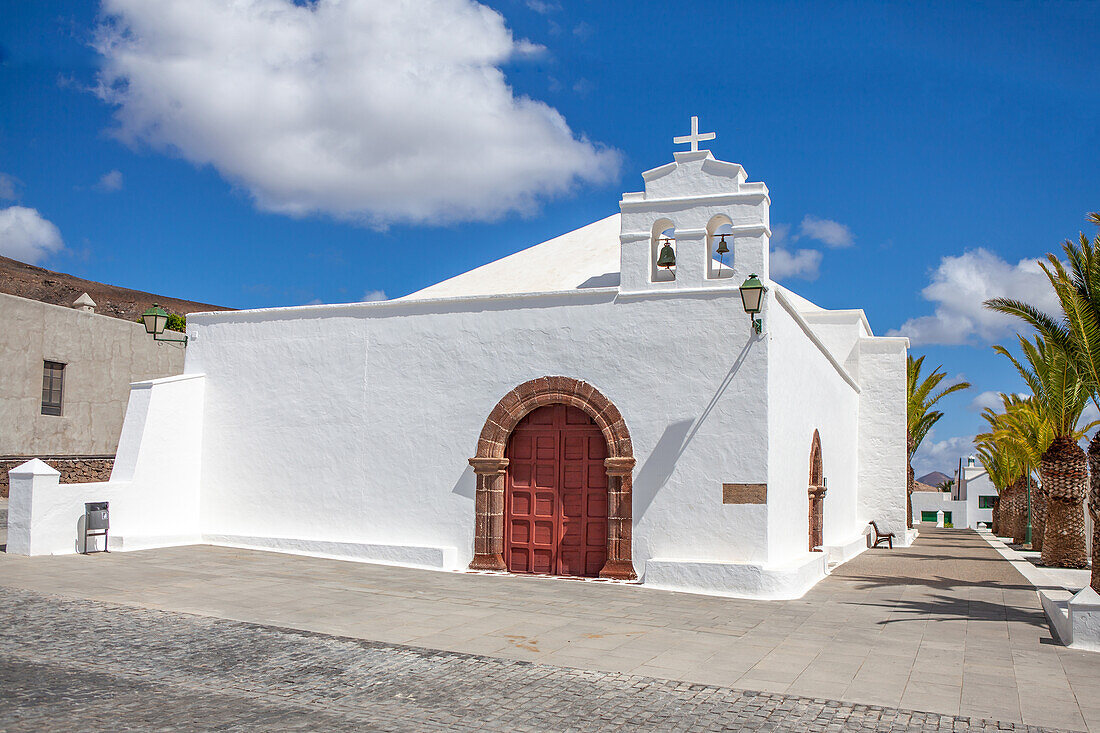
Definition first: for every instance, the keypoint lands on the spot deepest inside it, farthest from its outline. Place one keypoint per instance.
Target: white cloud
(801, 263)
(543, 6)
(828, 231)
(366, 111)
(110, 181)
(988, 399)
(9, 187)
(372, 295)
(959, 286)
(26, 236)
(941, 455)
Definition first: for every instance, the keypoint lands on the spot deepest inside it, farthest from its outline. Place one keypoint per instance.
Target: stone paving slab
(946, 626)
(86, 665)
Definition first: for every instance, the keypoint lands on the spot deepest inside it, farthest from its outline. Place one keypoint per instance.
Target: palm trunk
(1016, 524)
(1038, 514)
(997, 512)
(1094, 507)
(1064, 471)
(909, 482)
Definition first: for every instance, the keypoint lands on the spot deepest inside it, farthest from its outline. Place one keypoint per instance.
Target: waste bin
(97, 522)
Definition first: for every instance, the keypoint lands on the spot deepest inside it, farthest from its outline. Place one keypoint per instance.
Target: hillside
(58, 288)
(932, 479)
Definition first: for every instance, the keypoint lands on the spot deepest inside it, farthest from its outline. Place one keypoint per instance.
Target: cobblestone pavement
(87, 665)
(946, 625)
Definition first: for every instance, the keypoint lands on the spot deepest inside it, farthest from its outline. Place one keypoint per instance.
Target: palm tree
(1003, 472)
(1078, 291)
(1060, 398)
(1020, 432)
(920, 417)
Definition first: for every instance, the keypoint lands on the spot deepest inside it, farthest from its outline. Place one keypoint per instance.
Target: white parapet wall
(751, 580)
(149, 506)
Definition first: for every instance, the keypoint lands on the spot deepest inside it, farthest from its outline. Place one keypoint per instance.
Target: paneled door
(555, 500)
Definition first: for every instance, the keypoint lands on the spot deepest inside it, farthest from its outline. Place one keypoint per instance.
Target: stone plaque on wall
(744, 493)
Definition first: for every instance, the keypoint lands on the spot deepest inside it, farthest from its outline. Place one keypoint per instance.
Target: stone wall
(74, 469)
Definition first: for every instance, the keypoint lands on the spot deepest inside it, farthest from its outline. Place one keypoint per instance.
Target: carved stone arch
(490, 466)
(816, 492)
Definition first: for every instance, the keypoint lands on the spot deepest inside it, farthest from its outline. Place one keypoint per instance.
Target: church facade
(574, 409)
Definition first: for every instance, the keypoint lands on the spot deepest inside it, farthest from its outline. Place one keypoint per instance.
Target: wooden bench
(881, 537)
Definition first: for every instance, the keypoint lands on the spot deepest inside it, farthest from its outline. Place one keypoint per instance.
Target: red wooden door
(555, 498)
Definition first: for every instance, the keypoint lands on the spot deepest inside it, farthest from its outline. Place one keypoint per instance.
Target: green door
(928, 517)
(947, 519)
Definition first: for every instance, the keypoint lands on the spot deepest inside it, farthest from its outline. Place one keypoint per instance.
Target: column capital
(489, 466)
(619, 466)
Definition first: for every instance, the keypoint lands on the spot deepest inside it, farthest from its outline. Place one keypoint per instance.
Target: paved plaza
(946, 627)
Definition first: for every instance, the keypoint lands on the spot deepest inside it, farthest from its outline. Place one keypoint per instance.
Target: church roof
(584, 258)
(588, 257)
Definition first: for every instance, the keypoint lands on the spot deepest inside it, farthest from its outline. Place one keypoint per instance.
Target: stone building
(67, 364)
(596, 405)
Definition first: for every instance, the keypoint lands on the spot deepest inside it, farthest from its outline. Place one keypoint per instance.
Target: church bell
(667, 257)
(722, 248)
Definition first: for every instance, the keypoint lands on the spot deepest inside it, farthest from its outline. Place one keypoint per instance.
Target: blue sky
(916, 154)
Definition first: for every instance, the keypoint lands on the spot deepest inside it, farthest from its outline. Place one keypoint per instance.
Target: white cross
(694, 138)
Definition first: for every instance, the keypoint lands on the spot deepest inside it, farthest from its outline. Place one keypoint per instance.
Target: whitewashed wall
(354, 423)
(882, 443)
(154, 488)
(806, 392)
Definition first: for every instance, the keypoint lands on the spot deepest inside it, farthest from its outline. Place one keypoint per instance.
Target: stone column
(489, 505)
(620, 483)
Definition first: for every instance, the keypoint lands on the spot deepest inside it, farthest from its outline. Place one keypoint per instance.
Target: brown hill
(932, 479)
(47, 286)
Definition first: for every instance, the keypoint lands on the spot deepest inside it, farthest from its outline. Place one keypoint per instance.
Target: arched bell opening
(662, 251)
(816, 495)
(719, 247)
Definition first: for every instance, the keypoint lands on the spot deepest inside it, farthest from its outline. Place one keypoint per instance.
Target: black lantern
(752, 298)
(156, 320)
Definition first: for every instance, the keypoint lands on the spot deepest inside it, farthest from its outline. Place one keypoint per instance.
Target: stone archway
(490, 466)
(816, 493)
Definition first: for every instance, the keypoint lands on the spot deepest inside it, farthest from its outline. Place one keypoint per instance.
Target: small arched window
(663, 251)
(719, 247)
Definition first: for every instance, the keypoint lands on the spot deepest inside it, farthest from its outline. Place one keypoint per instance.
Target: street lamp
(752, 298)
(156, 320)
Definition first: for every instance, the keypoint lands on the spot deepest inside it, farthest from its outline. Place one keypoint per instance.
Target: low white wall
(433, 558)
(154, 488)
(738, 580)
(940, 501)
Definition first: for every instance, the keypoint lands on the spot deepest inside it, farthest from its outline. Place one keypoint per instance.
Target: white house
(572, 409)
(968, 504)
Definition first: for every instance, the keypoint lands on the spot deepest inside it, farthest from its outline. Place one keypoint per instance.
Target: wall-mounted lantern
(667, 258)
(752, 297)
(156, 320)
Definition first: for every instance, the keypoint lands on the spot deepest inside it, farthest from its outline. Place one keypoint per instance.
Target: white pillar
(939, 518)
(29, 519)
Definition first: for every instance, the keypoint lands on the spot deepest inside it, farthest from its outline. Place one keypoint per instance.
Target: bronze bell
(667, 258)
(722, 248)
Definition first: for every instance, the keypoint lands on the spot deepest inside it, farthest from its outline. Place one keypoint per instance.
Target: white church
(601, 405)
